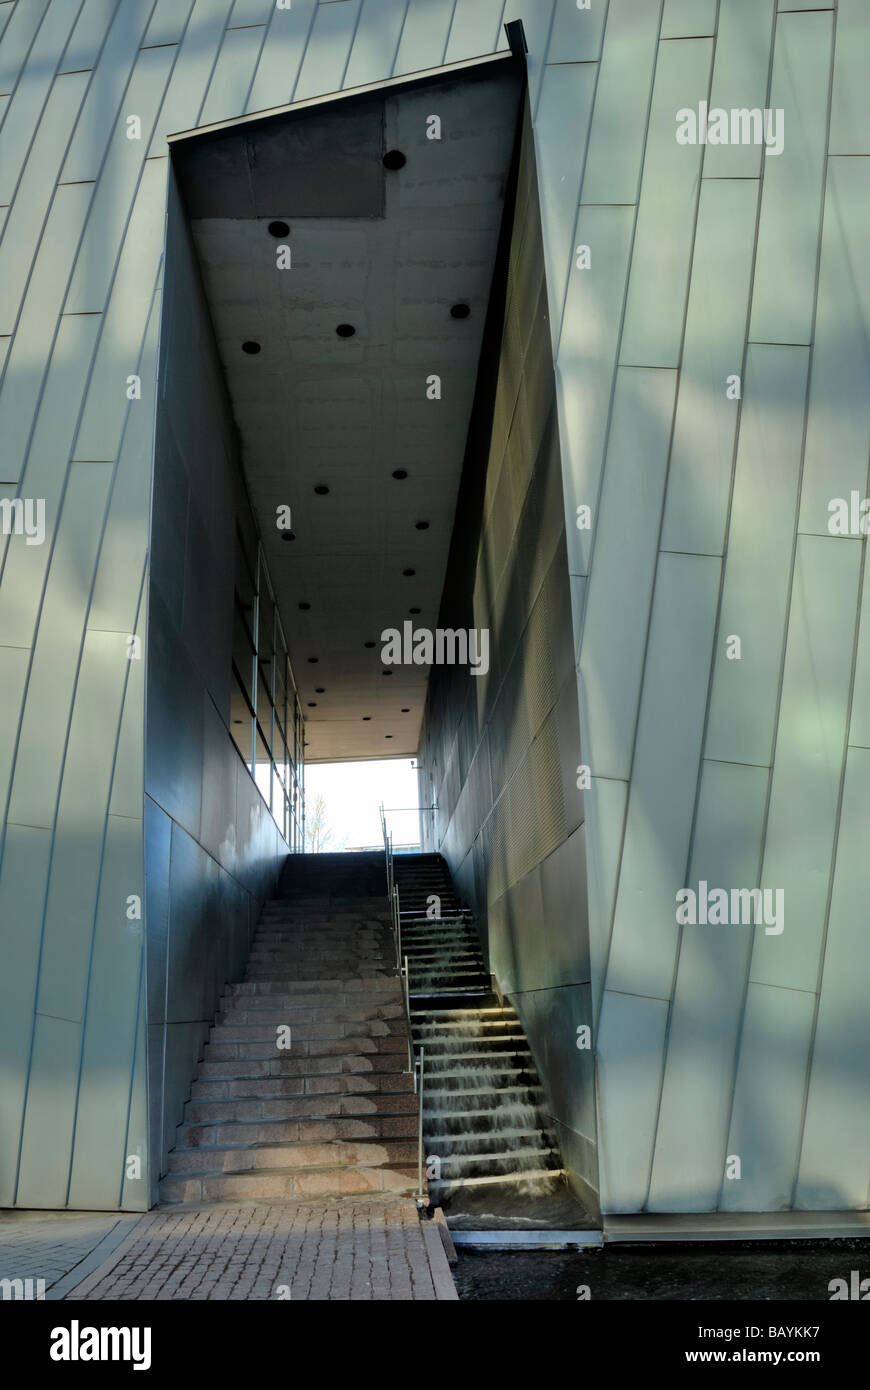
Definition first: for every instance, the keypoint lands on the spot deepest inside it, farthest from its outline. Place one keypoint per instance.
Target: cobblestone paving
(34, 1246)
(269, 1251)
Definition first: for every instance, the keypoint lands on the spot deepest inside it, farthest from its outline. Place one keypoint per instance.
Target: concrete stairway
(335, 1112)
(483, 1117)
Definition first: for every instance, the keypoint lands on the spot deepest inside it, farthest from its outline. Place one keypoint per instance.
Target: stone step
(494, 1078)
(438, 938)
(332, 988)
(439, 1049)
(427, 956)
(478, 991)
(291, 993)
(316, 939)
(379, 995)
(347, 1082)
(544, 1179)
(300, 973)
(487, 1118)
(363, 1059)
(516, 1161)
(288, 1184)
(254, 1157)
(314, 1019)
(221, 1049)
(422, 982)
(475, 1025)
(459, 1015)
(479, 1063)
(371, 1104)
(231, 1133)
(270, 989)
(494, 1141)
(335, 1113)
(323, 950)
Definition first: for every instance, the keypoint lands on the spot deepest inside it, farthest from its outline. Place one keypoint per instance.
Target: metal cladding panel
(850, 99)
(652, 334)
(838, 418)
(561, 130)
(744, 696)
(664, 775)
(587, 355)
(836, 1139)
(23, 384)
(614, 161)
(793, 181)
(769, 1092)
(705, 423)
(741, 77)
(626, 533)
(630, 1046)
(684, 19)
(80, 251)
(576, 37)
(810, 741)
(710, 984)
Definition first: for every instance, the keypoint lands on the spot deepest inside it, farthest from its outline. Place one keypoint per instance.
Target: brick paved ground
(48, 1245)
(350, 1249)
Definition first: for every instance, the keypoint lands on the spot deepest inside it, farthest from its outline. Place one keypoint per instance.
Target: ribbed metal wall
(704, 262)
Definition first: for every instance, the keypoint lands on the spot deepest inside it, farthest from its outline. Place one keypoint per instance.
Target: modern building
(322, 318)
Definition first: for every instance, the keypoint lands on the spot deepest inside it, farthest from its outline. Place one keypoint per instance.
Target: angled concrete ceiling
(389, 252)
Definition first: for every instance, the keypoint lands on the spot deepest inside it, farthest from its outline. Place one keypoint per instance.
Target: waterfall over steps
(483, 1118)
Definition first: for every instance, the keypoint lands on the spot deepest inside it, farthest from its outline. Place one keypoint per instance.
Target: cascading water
(482, 1119)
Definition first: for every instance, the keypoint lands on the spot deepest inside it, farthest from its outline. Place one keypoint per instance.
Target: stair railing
(406, 997)
(397, 927)
(418, 1087)
(396, 922)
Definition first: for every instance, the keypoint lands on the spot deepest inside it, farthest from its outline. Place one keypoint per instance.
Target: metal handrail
(418, 1087)
(406, 996)
(395, 920)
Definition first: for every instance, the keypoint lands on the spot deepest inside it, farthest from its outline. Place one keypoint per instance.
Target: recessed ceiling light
(400, 473)
(320, 690)
(345, 330)
(312, 704)
(238, 721)
(366, 717)
(251, 347)
(422, 525)
(313, 660)
(322, 490)
(305, 607)
(406, 711)
(394, 159)
(459, 311)
(279, 229)
(408, 573)
(388, 735)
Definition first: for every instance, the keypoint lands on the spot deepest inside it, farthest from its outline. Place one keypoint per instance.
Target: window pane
(241, 721)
